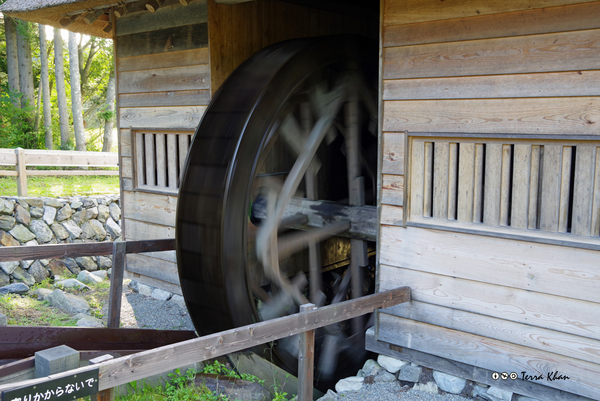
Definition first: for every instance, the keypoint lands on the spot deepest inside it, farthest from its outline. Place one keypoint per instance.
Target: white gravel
(394, 391)
(143, 312)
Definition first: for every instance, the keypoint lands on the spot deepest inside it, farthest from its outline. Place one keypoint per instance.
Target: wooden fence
(118, 249)
(115, 372)
(21, 158)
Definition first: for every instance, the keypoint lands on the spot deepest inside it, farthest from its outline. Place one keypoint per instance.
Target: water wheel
(275, 206)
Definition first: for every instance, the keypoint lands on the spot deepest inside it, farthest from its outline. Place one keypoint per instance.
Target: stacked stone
(378, 379)
(36, 221)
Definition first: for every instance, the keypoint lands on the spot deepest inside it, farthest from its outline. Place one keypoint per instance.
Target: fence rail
(123, 370)
(115, 372)
(21, 158)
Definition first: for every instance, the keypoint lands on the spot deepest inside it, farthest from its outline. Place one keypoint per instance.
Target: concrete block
(55, 360)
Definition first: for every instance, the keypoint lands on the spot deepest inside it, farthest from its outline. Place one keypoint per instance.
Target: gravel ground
(394, 391)
(140, 311)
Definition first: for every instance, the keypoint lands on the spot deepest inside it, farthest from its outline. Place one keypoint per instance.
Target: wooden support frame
(306, 359)
(138, 366)
(116, 284)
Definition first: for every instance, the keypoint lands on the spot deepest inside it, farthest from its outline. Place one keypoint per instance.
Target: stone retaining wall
(36, 221)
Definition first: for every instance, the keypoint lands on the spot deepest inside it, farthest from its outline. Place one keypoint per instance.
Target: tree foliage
(16, 124)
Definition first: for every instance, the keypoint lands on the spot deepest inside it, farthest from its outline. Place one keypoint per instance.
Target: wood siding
(169, 63)
(490, 186)
(163, 89)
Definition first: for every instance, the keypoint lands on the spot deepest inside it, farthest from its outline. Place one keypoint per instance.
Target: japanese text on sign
(64, 388)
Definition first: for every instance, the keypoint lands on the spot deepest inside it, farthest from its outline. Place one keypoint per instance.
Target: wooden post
(109, 393)
(116, 284)
(21, 173)
(306, 359)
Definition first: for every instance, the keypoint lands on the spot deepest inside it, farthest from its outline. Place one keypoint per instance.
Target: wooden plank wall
(499, 69)
(237, 32)
(163, 83)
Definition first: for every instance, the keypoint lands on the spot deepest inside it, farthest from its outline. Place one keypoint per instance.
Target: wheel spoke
(329, 352)
(291, 132)
(292, 243)
(266, 237)
(284, 301)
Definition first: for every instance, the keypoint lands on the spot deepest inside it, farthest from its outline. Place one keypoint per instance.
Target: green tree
(17, 126)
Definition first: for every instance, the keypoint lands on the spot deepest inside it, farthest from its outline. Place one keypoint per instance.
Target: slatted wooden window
(160, 158)
(547, 185)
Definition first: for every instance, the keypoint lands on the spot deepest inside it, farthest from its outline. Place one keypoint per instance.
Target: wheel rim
(261, 123)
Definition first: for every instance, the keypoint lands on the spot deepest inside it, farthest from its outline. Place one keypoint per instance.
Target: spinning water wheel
(276, 202)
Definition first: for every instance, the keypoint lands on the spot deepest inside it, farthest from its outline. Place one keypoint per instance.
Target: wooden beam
(230, 2)
(480, 375)
(137, 366)
(24, 341)
(153, 5)
(9, 253)
(92, 16)
(322, 213)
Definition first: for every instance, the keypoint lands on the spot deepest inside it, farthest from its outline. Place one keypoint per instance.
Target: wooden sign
(64, 388)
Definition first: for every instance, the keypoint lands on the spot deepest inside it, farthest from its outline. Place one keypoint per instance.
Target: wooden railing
(118, 249)
(115, 372)
(21, 158)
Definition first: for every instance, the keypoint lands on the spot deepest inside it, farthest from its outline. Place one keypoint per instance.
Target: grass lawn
(57, 186)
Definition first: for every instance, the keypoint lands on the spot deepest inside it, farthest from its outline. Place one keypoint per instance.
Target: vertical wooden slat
(172, 161)
(534, 188)
(440, 180)
(565, 181)
(150, 159)
(505, 185)
(416, 177)
(596, 202)
(520, 191)
(466, 171)
(140, 164)
(583, 190)
(550, 194)
(493, 176)
(427, 179)
(478, 184)
(161, 168)
(183, 150)
(452, 180)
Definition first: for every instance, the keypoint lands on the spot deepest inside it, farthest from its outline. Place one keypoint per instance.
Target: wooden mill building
(489, 168)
